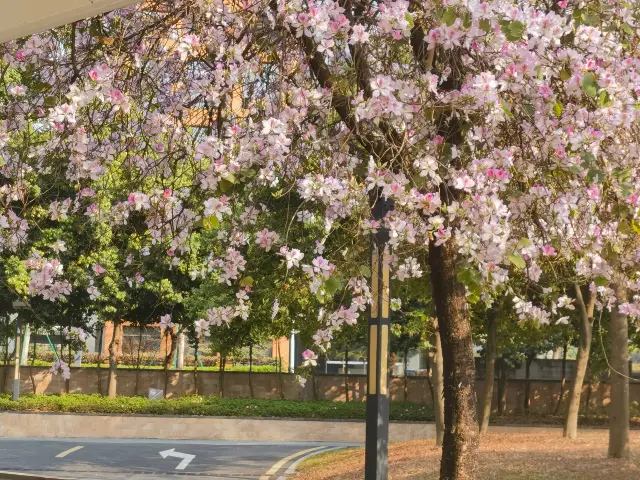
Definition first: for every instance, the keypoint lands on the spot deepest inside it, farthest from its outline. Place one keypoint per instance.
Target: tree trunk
(223, 364)
(564, 377)
(346, 373)
(114, 351)
(138, 360)
(195, 369)
(406, 376)
(170, 333)
(438, 384)
(490, 369)
(98, 369)
(429, 373)
(584, 347)
(314, 381)
(502, 386)
(251, 370)
(5, 369)
(279, 363)
(67, 382)
(527, 385)
(587, 400)
(461, 440)
(33, 361)
(619, 358)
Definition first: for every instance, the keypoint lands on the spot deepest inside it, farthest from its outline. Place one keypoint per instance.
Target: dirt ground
(503, 456)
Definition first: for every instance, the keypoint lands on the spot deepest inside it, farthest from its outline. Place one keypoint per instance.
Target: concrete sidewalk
(80, 425)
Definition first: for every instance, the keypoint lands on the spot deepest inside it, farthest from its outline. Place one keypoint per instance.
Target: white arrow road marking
(67, 452)
(186, 458)
(278, 465)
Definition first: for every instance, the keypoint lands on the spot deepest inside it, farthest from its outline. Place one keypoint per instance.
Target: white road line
(71, 450)
(278, 465)
(292, 468)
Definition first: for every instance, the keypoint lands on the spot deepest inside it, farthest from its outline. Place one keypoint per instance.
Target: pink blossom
(548, 251)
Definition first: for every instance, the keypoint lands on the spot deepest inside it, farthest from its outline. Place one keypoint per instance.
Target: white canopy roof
(25, 17)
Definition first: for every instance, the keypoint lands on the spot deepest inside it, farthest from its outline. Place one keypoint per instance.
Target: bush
(47, 357)
(210, 406)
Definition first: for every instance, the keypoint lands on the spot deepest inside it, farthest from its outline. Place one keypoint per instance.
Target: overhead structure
(25, 17)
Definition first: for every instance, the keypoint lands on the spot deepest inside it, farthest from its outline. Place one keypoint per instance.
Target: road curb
(76, 425)
(26, 476)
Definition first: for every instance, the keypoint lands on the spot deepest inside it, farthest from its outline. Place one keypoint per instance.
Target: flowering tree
(505, 133)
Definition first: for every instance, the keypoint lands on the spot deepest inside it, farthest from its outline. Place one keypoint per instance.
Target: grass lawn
(503, 456)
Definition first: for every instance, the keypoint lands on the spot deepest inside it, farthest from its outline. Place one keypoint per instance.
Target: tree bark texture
(461, 439)
(438, 385)
(114, 352)
(251, 370)
(406, 375)
(346, 374)
(223, 364)
(582, 361)
(564, 378)
(527, 385)
(490, 370)
(502, 385)
(619, 363)
(428, 362)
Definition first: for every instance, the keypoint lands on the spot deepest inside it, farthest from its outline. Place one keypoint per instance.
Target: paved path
(80, 459)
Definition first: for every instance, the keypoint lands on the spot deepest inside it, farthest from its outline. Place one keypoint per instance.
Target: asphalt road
(76, 459)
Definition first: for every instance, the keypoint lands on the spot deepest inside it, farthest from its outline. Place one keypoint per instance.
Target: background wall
(544, 394)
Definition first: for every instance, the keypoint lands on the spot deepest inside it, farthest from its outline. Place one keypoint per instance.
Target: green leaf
(601, 281)
(565, 74)
(211, 223)
(449, 16)
(331, 285)
(505, 107)
(625, 227)
(590, 19)
(409, 18)
(320, 295)
(517, 260)
(635, 226)
(594, 174)
(246, 282)
(465, 276)
(248, 173)
(529, 109)
(466, 20)
(588, 159)
(365, 271)
(628, 29)
(485, 25)
(589, 84)
(515, 30)
(557, 109)
(225, 185)
(524, 242)
(604, 100)
(473, 298)
(50, 102)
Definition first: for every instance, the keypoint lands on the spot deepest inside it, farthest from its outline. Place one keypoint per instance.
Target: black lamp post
(377, 427)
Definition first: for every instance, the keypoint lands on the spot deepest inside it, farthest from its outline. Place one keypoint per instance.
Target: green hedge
(228, 368)
(210, 406)
(243, 407)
